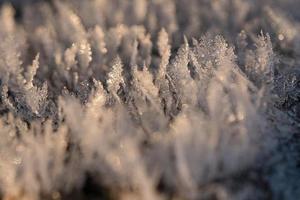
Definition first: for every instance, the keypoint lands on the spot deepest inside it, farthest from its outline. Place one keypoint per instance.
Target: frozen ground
(150, 99)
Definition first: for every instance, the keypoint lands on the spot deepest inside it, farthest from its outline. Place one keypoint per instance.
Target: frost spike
(98, 98)
(115, 77)
(32, 71)
(164, 51)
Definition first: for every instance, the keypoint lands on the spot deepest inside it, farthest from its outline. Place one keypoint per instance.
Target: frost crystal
(115, 77)
(150, 99)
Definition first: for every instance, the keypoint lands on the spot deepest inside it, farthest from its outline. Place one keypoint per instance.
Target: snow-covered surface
(150, 99)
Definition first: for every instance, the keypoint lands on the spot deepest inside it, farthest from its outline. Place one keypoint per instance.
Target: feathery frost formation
(150, 99)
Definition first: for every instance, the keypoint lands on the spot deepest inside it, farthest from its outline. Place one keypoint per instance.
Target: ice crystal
(157, 99)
